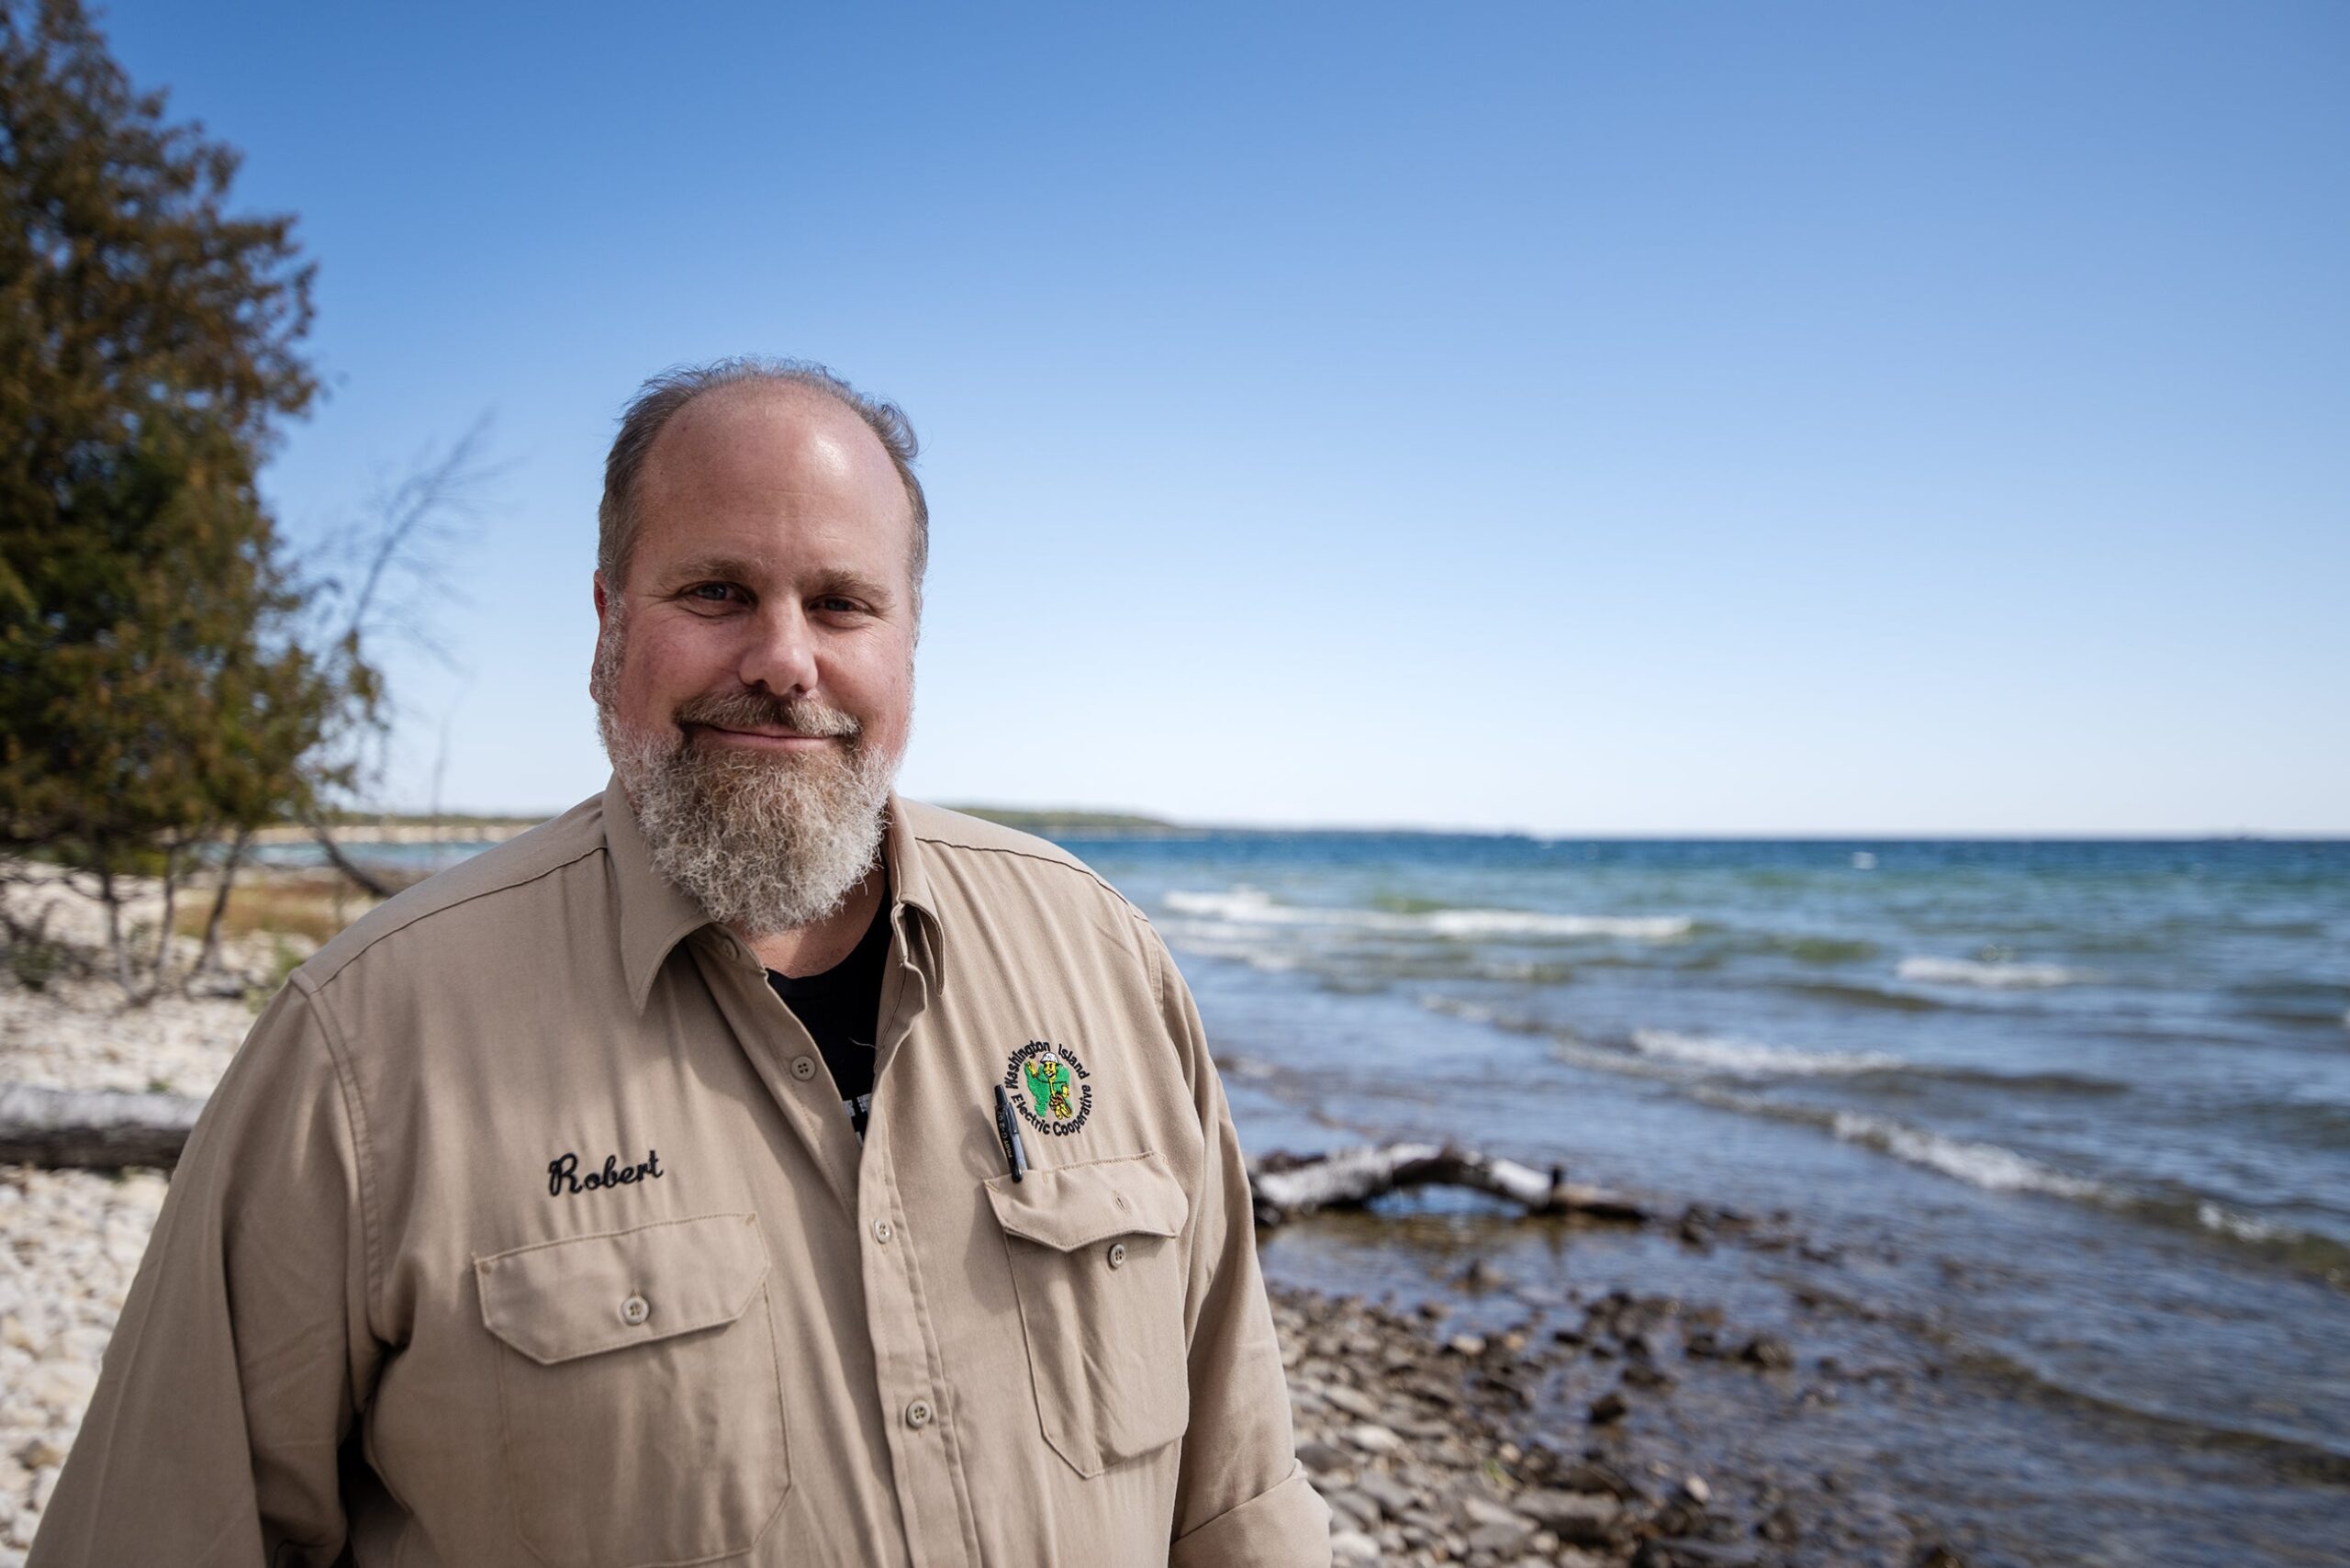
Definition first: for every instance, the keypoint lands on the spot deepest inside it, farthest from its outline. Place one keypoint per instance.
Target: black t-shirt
(842, 1007)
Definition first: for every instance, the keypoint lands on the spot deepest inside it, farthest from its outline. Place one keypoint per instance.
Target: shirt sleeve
(1242, 1500)
(242, 1352)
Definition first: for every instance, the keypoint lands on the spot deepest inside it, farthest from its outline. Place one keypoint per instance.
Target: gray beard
(764, 842)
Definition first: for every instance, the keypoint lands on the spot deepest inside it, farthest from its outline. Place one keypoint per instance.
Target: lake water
(2066, 1127)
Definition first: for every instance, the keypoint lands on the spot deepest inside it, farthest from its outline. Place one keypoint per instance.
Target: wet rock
(1780, 1525)
(1609, 1406)
(1597, 1475)
(1767, 1350)
(1686, 1553)
(1481, 1275)
(1579, 1518)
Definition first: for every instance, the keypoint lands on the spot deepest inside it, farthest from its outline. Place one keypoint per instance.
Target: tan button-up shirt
(526, 1228)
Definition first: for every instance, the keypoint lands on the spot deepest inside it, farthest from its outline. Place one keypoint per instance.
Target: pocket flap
(1067, 1206)
(561, 1299)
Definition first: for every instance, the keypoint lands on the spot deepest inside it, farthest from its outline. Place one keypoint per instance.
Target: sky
(1565, 418)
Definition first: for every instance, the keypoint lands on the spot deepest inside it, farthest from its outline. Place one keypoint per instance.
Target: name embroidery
(564, 1178)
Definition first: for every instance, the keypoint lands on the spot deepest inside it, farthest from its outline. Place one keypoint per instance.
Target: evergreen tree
(155, 688)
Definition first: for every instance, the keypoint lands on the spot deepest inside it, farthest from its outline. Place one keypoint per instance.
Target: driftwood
(1288, 1187)
(92, 1129)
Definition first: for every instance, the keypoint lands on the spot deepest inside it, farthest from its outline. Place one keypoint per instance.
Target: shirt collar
(655, 914)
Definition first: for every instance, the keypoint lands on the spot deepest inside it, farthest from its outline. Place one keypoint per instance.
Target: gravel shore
(1429, 1448)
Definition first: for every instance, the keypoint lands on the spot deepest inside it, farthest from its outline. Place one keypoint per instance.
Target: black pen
(1007, 1127)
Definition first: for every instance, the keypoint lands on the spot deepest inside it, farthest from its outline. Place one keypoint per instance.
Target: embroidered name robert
(563, 1180)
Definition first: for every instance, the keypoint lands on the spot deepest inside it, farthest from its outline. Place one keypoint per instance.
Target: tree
(156, 691)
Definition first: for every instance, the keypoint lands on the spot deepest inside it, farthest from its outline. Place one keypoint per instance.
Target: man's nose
(781, 655)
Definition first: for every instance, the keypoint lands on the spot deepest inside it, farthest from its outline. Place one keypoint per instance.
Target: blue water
(2064, 1128)
(2067, 1125)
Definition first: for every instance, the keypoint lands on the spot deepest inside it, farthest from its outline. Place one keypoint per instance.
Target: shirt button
(803, 1068)
(635, 1310)
(881, 1231)
(918, 1414)
(1117, 1254)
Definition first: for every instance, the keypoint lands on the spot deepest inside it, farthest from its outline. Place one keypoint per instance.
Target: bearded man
(749, 1165)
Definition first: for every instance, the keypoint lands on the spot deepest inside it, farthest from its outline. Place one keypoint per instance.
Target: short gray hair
(658, 401)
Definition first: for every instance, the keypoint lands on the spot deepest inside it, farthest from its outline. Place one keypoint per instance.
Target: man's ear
(603, 614)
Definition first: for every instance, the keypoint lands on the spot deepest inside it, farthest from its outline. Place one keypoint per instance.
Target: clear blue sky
(1706, 418)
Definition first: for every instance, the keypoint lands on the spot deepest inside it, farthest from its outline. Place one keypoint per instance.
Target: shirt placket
(925, 1435)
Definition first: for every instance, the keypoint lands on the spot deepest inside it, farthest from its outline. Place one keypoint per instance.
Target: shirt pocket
(1101, 1284)
(639, 1395)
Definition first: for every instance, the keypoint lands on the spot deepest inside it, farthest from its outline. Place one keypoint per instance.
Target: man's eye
(835, 602)
(712, 593)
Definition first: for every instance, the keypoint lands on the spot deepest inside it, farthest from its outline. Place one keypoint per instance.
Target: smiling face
(753, 676)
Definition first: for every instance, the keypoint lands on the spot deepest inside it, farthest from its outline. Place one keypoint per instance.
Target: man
(635, 1193)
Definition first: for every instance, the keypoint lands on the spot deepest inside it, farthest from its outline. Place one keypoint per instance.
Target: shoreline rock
(1434, 1451)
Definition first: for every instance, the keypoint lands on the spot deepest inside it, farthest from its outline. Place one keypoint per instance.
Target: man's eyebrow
(854, 585)
(733, 567)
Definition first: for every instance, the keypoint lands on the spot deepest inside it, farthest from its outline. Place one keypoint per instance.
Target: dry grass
(315, 904)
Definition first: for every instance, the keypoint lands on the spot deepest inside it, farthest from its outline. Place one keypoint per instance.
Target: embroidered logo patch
(1048, 1082)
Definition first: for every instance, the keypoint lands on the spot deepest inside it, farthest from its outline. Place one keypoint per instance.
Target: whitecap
(1724, 1053)
(2243, 1227)
(1475, 922)
(1992, 976)
(1985, 1165)
(1245, 905)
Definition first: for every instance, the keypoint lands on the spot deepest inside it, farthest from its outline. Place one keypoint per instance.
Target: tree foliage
(156, 687)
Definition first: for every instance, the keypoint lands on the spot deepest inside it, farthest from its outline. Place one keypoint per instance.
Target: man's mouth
(763, 739)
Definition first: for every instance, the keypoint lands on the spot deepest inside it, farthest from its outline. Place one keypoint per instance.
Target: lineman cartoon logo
(1048, 1083)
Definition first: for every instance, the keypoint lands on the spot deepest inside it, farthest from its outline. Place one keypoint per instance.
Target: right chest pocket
(1097, 1267)
(641, 1397)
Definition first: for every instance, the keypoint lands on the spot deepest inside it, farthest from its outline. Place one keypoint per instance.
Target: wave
(1214, 939)
(1245, 905)
(1984, 1165)
(1999, 976)
(1754, 1058)
(1997, 1169)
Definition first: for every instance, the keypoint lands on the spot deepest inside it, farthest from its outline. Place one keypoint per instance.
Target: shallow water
(2066, 1125)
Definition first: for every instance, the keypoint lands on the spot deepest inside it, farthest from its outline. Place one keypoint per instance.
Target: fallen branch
(1289, 1186)
(92, 1129)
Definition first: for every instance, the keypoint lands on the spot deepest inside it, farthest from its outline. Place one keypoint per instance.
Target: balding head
(663, 399)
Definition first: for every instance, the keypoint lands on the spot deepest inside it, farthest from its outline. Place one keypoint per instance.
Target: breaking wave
(1252, 906)
(1754, 1057)
(1992, 976)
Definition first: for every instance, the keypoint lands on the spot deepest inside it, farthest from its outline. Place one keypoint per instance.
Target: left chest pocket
(638, 1385)
(1099, 1273)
